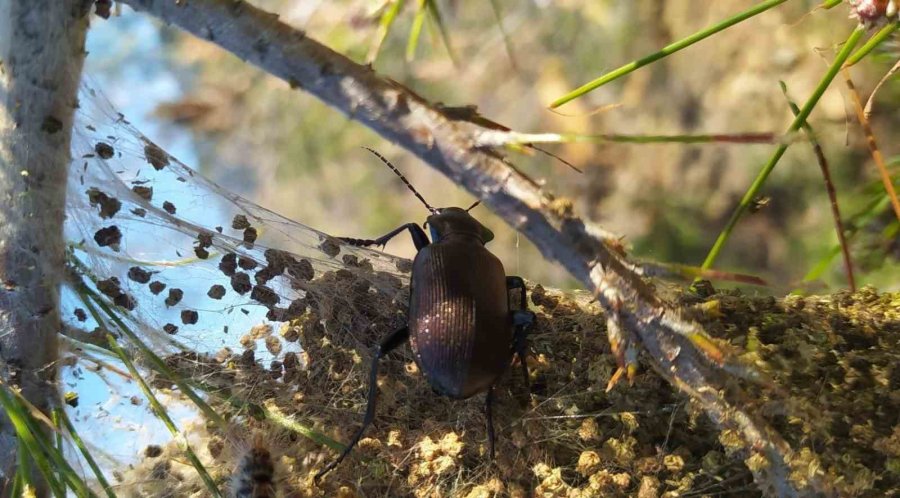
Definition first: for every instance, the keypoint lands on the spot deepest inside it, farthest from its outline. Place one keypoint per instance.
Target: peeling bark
(448, 139)
(41, 55)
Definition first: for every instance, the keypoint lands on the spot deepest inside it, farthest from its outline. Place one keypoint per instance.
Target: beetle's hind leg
(522, 321)
(489, 419)
(418, 236)
(387, 345)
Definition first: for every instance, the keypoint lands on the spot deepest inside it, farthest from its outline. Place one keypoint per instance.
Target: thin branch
(680, 349)
(829, 188)
(873, 144)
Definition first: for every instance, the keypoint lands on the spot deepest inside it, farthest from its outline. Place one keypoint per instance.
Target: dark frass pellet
(175, 296)
(330, 247)
(125, 301)
(301, 270)
(264, 295)
(143, 192)
(157, 157)
(228, 265)
(169, 207)
(250, 235)
(170, 329)
(110, 287)
(216, 291)
(240, 282)
(189, 317)
(104, 150)
(246, 263)
(204, 239)
(156, 287)
(109, 206)
(139, 275)
(201, 252)
(80, 314)
(108, 236)
(240, 222)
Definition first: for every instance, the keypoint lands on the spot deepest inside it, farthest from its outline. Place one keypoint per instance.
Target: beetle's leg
(418, 236)
(387, 345)
(513, 283)
(522, 321)
(488, 414)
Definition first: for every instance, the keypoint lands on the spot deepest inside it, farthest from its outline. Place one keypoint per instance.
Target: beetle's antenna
(408, 185)
(473, 206)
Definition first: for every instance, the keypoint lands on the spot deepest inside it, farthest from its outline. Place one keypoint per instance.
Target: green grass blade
(384, 27)
(33, 418)
(23, 471)
(829, 190)
(415, 31)
(289, 423)
(160, 411)
(799, 120)
(160, 366)
(76, 439)
(156, 362)
(507, 44)
(435, 12)
(859, 220)
(873, 42)
(30, 442)
(88, 297)
(666, 51)
(58, 439)
(511, 138)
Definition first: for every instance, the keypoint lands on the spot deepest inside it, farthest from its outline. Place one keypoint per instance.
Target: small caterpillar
(254, 476)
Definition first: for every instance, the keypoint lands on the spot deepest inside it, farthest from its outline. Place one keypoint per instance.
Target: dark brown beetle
(461, 326)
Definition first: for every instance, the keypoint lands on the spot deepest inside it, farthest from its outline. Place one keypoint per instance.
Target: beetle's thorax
(455, 223)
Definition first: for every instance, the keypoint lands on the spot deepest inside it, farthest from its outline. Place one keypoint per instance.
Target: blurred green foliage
(669, 201)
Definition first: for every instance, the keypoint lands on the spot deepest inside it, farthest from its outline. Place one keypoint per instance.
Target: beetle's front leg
(522, 321)
(387, 345)
(418, 236)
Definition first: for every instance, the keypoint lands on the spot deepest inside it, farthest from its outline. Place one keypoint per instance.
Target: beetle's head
(455, 221)
(444, 222)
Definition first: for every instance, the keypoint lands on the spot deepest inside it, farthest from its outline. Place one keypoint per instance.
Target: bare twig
(829, 188)
(679, 347)
(873, 144)
(871, 102)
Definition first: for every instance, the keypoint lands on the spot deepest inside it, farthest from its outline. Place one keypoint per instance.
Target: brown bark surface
(41, 54)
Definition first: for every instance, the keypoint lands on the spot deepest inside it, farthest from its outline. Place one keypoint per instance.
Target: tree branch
(447, 139)
(41, 54)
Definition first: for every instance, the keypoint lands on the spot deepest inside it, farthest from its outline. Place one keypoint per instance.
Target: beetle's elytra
(461, 326)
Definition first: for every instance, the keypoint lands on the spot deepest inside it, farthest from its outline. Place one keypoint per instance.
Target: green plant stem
(158, 364)
(384, 27)
(55, 455)
(830, 4)
(799, 120)
(29, 440)
(416, 31)
(666, 51)
(160, 411)
(829, 189)
(873, 42)
(76, 439)
(23, 472)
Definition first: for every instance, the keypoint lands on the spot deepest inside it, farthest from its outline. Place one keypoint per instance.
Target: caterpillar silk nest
(874, 12)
